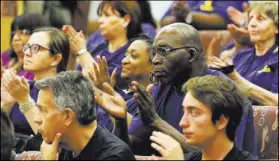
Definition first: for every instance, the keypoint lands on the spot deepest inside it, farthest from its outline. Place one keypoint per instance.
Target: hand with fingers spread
(237, 16)
(168, 147)
(76, 39)
(146, 106)
(100, 73)
(111, 101)
(180, 10)
(17, 87)
(50, 151)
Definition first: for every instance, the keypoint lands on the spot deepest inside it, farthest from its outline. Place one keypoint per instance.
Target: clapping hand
(168, 147)
(111, 101)
(237, 16)
(76, 39)
(146, 106)
(180, 10)
(100, 73)
(16, 86)
(225, 66)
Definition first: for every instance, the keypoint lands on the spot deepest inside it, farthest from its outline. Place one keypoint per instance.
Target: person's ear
(56, 59)
(126, 20)
(69, 116)
(193, 54)
(222, 122)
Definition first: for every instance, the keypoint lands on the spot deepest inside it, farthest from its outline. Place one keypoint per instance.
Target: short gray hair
(72, 90)
(270, 8)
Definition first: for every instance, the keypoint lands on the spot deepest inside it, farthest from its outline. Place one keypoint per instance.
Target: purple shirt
(19, 121)
(168, 101)
(97, 41)
(260, 70)
(113, 60)
(103, 118)
(5, 62)
(219, 7)
(229, 46)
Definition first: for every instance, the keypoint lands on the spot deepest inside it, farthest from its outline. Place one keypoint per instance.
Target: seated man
(67, 120)
(213, 108)
(7, 137)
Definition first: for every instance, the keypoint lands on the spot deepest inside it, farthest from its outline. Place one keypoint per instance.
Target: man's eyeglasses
(21, 32)
(163, 51)
(34, 48)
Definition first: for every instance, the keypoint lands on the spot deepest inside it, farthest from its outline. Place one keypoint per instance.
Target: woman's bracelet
(27, 105)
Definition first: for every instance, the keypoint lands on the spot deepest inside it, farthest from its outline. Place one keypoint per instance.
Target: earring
(125, 25)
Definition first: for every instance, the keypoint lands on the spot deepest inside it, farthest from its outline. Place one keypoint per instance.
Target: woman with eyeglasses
(46, 53)
(21, 30)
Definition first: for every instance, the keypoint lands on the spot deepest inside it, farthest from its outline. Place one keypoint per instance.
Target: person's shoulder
(195, 155)
(112, 147)
(109, 139)
(244, 53)
(244, 155)
(214, 72)
(5, 57)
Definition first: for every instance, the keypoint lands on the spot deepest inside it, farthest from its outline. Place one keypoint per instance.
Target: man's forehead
(192, 102)
(169, 35)
(44, 97)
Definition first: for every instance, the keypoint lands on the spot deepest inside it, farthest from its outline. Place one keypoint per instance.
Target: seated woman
(203, 15)
(136, 66)
(21, 29)
(256, 69)
(45, 54)
(148, 26)
(119, 22)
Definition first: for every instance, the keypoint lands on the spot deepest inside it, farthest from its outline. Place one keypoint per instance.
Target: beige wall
(6, 25)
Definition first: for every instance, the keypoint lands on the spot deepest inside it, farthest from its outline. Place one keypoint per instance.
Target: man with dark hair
(7, 137)
(213, 108)
(67, 119)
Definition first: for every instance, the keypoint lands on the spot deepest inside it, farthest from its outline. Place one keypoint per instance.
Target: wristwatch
(189, 18)
(82, 51)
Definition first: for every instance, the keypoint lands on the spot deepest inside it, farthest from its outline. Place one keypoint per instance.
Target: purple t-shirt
(168, 101)
(219, 7)
(260, 70)
(113, 60)
(5, 62)
(230, 45)
(19, 121)
(97, 41)
(103, 118)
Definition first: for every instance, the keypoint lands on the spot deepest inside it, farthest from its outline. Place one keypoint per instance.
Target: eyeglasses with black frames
(21, 32)
(34, 48)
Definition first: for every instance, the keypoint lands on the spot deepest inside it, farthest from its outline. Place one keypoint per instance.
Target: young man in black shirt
(67, 120)
(213, 108)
